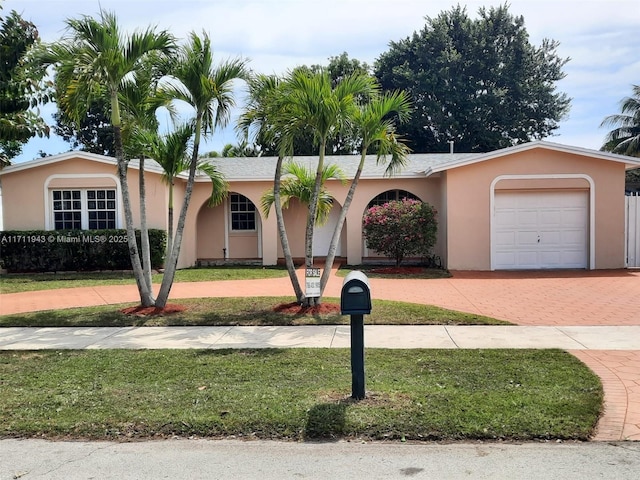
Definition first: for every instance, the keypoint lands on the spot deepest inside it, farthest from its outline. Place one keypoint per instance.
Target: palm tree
(374, 126)
(262, 116)
(311, 103)
(209, 90)
(625, 138)
(140, 100)
(93, 60)
(171, 152)
(299, 185)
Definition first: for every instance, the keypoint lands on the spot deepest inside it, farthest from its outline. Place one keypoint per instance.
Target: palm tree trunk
(311, 218)
(333, 246)
(170, 267)
(146, 295)
(284, 240)
(170, 220)
(144, 230)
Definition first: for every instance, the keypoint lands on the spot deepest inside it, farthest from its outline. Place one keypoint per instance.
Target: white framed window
(84, 209)
(243, 213)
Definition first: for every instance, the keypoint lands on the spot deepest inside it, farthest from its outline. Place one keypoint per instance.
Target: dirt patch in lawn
(140, 311)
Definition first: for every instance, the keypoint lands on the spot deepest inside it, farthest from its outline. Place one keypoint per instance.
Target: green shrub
(73, 250)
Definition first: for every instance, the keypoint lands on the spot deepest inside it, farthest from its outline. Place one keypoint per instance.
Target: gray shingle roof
(263, 168)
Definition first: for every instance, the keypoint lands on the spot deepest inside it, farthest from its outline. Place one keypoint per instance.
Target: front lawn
(14, 283)
(297, 394)
(243, 311)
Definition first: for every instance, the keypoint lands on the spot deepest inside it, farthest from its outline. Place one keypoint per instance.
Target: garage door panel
(550, 259)
(550, 217)
(574, 216)
(527, 217)
(526, 259)
(550, 239)
(573, 238)
(549, 229)
(505, 239)
(505, 217)
(527, 238)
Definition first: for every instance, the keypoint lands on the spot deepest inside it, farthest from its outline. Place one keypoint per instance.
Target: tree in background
(478, 83)
(21, 87)
(92, 134)
(625, 137)
(401, 228)
(340, 67)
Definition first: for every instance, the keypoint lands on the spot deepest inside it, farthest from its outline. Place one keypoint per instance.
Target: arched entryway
(230, 231)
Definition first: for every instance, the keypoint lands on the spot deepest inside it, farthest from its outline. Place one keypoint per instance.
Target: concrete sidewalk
(322, 336)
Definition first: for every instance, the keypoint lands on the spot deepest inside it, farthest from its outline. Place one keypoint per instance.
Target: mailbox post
(355, 300)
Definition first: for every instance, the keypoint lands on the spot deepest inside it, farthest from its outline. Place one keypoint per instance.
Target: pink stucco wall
(468, 199)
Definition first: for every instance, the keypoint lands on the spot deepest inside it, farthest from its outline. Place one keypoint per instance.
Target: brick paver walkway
(525, 298)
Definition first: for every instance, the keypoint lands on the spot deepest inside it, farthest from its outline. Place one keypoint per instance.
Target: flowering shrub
(401, 228)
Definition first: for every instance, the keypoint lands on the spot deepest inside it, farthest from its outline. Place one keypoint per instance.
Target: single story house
(538, 205)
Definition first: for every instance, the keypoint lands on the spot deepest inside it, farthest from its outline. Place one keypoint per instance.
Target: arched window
(390, 195)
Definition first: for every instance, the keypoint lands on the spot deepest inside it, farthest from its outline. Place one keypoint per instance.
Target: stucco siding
(469, 190)
(26, 192)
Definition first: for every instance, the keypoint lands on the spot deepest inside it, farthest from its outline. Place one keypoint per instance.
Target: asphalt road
(272, 460)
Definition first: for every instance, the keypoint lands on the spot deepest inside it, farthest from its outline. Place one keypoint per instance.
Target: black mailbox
(355, 298)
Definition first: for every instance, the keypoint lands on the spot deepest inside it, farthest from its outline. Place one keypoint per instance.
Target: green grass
(370, 272)
(15, 283)
(297, 394)
(243, 311)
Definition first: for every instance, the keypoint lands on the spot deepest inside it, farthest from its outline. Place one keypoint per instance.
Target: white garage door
(534, 230)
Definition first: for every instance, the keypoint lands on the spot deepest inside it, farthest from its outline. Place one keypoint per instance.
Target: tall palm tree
(93, 60)
(311, 103)
(262, 117)
(299, 185)
(208, 88)
(625, 138)
(140, 100)
(374, 125)
(172, 153)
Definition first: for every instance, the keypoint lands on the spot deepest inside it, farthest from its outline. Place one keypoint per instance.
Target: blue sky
(601, 37)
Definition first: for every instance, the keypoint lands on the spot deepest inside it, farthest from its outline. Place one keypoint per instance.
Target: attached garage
(540, 229)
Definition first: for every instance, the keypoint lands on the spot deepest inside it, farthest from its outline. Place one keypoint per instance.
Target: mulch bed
(295, 308)
(398, 270)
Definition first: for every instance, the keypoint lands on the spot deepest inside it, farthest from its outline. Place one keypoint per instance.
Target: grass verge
(257, 311)
(15, 283)
(297, 394)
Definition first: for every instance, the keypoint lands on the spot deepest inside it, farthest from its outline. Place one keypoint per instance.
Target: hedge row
(73, 250)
